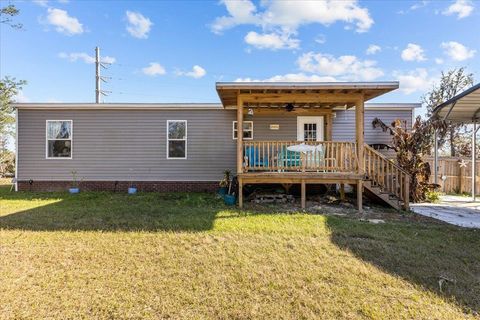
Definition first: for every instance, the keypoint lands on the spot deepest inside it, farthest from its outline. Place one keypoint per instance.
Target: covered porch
(312, 155)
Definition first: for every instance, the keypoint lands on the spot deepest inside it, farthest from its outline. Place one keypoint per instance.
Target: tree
(9, 88)
(7, 14)
(451, 83)
(410, 147)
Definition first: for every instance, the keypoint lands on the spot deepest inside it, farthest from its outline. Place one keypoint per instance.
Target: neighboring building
(183, 147)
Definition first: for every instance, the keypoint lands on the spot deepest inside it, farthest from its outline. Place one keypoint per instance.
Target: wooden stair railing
(386, 178)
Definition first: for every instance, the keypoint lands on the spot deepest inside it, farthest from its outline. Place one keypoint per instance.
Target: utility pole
(98, 78)
(97, 75)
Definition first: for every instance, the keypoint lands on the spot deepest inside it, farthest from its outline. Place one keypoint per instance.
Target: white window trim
(319, 120)
(185, 139)
(233, 130)
(70, 139)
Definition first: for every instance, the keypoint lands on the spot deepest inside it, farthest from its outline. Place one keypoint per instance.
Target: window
(59, 139)
(309, 132)
(176, 139)
(247, 130)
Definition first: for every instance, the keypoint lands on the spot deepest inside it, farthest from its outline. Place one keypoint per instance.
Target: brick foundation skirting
(122, 186)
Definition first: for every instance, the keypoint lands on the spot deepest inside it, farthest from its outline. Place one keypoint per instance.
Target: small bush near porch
(104, 255)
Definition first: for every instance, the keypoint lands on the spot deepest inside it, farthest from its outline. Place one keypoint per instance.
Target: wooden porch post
(360, 196)
(304, 193)
(359, 130)
(240, 149)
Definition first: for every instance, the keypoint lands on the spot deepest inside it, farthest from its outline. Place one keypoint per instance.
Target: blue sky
(175, 51)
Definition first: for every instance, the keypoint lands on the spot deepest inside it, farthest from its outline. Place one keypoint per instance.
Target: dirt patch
(332, 205)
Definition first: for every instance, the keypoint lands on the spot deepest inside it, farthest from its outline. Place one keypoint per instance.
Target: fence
(456, 173)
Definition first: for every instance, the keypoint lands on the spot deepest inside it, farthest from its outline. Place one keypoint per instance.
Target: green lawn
(105, 255)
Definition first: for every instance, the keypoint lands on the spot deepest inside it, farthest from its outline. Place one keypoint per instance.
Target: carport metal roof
(463, 108)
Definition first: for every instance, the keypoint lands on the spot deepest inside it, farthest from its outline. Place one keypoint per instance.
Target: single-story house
(187, 146)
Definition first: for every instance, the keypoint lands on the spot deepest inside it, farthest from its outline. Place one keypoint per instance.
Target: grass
(105, 255)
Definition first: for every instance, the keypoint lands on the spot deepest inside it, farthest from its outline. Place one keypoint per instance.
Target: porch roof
(308, 94)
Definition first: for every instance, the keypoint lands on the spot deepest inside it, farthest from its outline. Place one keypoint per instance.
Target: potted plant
(223, 185)
(132, 189)
(75, 183)
(229, 197)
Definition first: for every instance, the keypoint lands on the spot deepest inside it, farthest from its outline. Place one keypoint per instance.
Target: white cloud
(42, 3)
(461, 8)
(241, 12)
(321, 39)
(281, 17)
(415, 6)
(272, 41)
(63, 22)
(439, 61)
(418, 5)
(414, 80)
(138, 26)
(457, 51)
(197, 72)
(291, 77)
(373, 49)
(413, 52)
(154, 69)
(75, 56)
(346, 67)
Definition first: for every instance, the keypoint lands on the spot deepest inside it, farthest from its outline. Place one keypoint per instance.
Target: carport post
(474, 166)
(435, 157)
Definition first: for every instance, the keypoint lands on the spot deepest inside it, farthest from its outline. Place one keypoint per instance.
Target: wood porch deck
(328, 161)
(270, 162)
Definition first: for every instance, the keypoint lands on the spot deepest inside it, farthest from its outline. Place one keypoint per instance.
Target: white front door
(310, 128)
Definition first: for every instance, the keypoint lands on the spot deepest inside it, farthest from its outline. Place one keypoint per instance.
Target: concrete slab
(456, 210)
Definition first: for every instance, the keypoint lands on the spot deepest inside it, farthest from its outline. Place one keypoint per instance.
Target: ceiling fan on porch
(289, 107)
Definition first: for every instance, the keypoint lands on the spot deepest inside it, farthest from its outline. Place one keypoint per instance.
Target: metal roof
(169, 106)
(463, 108)
(120, 106)
(228, 91)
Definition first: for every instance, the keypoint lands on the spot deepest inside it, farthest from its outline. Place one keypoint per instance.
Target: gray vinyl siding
(261, 127)
(344, 124)
(343, 127)
(116, 145)
(131, 144)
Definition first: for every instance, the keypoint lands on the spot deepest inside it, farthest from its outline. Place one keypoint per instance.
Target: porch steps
(386, 197)
(385, 179)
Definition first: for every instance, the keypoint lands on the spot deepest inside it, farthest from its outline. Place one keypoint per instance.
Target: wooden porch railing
(387, 175)
(328, 156)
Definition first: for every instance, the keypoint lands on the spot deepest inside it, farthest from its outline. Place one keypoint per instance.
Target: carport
(464, 108)
(465, 212)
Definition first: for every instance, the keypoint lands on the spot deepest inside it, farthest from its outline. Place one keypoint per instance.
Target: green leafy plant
(226, 179)
(432, 196)
(75, 181)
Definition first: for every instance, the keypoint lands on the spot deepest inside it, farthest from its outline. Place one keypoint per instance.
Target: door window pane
(310, 132)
